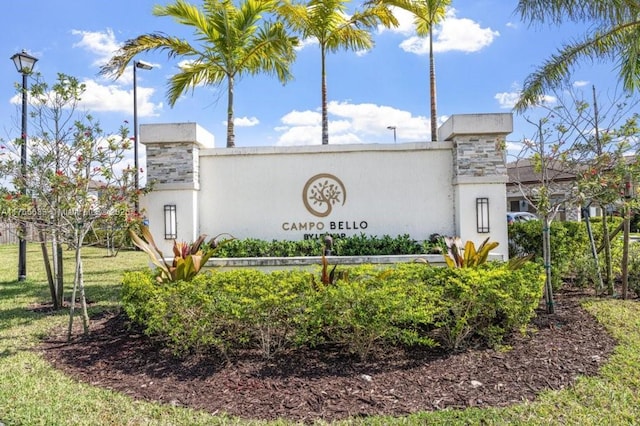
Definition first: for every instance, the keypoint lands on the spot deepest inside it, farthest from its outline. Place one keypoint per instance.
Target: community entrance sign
(454, 187)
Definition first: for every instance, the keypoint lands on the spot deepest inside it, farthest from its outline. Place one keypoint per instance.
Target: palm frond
(173, 46)
(604, 12)
(603, 45)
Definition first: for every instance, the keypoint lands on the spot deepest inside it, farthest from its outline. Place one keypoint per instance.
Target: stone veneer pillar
(173, 153)
(479, 171)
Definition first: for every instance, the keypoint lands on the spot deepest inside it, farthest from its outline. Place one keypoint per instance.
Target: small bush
(634, 268)
(138, 291)
(263, 309)
(371, 309)
(569, 245)
(486, 302)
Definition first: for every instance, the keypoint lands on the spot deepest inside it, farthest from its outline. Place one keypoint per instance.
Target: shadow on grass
(17, 317)
(24, 315)
(24, 302)
(21, 289)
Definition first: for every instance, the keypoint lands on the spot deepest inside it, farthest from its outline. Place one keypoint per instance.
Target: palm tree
(233, 41)
(327, 22)
(427, 14)
(616, 38)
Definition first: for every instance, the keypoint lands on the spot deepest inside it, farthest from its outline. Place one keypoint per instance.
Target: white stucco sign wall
(303, 192)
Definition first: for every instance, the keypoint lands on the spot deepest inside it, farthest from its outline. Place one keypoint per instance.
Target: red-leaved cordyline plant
(188, 258)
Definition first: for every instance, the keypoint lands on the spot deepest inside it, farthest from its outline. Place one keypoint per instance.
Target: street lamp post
(144, 66)
(24, 64)
(394, 132)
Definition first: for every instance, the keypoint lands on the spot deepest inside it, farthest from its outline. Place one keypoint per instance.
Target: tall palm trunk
(432, 89)
(325, 115)
(231, 138)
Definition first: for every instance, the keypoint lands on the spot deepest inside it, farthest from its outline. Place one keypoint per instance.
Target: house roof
(523, 171)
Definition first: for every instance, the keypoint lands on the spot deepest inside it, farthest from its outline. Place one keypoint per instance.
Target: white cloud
(580, 83)
(113, 98)
(352, 123)
(453, 34)
(302, 118)
(507, 99)
(299, 135)
(548, 99)
(371, 119)
(309, 41)
(245, 121)
(101, 43)
(511, 25)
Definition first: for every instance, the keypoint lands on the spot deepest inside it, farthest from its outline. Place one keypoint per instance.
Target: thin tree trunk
(47, 268)
(607, 254)
(325, 114)
(58, 265)
(83, 298)
(546, 255)
(605, 225)
(47, 262)
(59, 268)
(72, 302)
(231, 137)
(594, 253)
(625, 252)
(432, 89)
(78, 285)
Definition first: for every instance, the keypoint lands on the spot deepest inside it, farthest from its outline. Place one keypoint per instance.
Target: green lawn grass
(33, 393)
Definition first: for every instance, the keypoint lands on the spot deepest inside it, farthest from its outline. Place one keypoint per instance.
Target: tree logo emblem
(322, 192)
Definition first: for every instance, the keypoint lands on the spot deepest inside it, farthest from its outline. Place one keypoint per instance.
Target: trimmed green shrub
(356, 245)
(251, 247)
(371, 308)
(569, 246)
(138, 290)
(182, 313)
(367, 308)
(359, 245)
(264, 309)
(486, 302)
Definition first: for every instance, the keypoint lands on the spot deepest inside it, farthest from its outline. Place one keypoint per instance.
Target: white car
(520, 217)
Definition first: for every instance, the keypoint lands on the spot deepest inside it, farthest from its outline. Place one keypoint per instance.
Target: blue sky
(483, 55)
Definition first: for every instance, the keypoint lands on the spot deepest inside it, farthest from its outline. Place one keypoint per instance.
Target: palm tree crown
(426, 15)
(232, 41)
(616, 38)
(327, 22)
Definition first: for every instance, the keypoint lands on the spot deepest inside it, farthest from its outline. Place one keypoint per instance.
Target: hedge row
(571, 255)
(369, 307)
(354, 245)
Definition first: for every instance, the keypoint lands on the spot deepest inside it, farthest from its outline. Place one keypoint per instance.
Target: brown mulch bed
(324, 384)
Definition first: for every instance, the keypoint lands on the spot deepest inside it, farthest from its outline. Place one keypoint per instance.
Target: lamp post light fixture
(144, 66)
(394, 132)
(24, 64)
